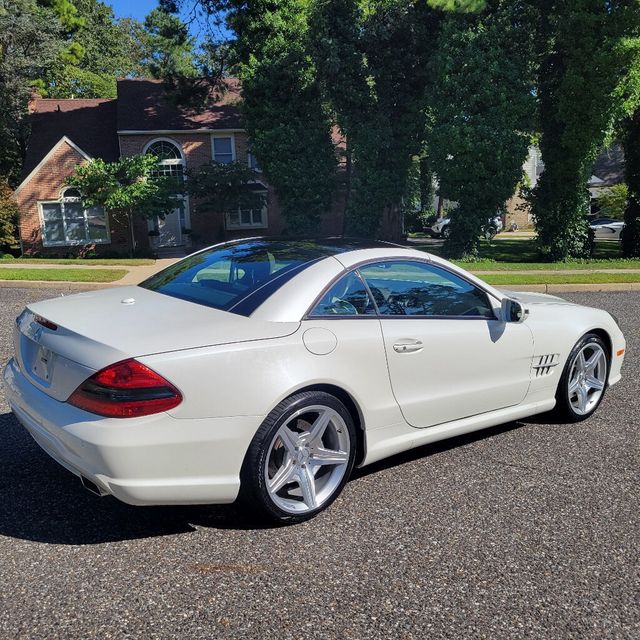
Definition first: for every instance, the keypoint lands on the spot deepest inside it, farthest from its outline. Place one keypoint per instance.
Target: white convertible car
(266, 369)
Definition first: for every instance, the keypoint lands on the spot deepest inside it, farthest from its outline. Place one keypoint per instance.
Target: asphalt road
(528, 530)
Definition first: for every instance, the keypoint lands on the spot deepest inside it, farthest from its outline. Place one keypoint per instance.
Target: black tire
(254, 492)
(446, 232)
(565, 409)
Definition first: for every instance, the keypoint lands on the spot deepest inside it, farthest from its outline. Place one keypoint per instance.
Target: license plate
(43, 363)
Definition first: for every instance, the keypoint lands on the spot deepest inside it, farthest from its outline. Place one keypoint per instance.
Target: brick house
(65, 133)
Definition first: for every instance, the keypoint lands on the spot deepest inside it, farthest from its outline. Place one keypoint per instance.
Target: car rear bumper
(142, 461)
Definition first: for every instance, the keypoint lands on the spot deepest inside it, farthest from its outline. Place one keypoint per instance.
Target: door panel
(170, 231)
(446, 369)
(449, 357)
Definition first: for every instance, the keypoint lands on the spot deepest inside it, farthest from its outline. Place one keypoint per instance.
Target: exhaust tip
(92, 487)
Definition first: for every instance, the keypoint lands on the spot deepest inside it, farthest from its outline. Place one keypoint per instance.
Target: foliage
(169, 47)
(286, 120)
(31, 39)
(631, 146)
(482, 114)
(371, 59)
(613, 200)
(417, 203)
(219, 187)
(8, 218)
(463, 6)
(127, 188)
(585, 50)
(110, 49)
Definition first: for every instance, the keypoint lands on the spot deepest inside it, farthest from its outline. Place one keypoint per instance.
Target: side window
(421, 289)
(223, 150)
(347, 297)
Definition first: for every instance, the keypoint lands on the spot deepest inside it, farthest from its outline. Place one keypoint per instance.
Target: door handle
(408, 345)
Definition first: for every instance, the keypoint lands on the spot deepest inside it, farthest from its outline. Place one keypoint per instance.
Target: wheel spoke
(594, 383)
(284, 475)
(593, 361)
(583, 398)
(318, 428)
(573, 387)
(307, 484)
(321, 456)
(288, 438)
(580, 362)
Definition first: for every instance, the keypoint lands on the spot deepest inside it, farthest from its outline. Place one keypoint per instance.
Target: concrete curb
(571, 288)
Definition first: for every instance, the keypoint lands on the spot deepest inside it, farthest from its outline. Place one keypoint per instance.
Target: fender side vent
(543, 365)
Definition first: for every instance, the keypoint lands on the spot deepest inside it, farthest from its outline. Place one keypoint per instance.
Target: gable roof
(90, 124)
(63, 140)
(143, 106)
(609, 166)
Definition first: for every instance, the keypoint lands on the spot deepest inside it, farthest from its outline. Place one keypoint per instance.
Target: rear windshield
(237, 277)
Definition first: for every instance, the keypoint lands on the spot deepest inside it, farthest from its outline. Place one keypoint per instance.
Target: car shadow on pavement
(41, 501)
(434, 448)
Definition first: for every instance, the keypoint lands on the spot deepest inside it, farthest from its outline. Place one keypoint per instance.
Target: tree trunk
(347, 197)
(631, 146)
(132, 238)
(391, 226)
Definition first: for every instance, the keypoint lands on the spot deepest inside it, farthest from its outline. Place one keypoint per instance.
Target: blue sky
(139, 9)
(132, 8)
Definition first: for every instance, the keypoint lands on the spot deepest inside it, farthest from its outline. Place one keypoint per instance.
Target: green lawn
(559, 278)
(106, 262)
(514, 254)
(63, 275)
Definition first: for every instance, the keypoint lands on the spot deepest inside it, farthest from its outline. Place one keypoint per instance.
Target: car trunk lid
(60, 342)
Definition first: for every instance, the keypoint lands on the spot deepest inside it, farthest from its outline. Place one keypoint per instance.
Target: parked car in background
(441, 228)
(606, 228)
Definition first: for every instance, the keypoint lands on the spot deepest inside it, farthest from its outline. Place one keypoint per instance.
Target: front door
(449, 356)
(170, 230)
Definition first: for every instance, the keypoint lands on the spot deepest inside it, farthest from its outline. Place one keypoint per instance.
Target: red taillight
(45, 323)
(126, 389)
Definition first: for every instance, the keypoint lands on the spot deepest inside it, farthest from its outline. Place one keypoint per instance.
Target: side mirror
(513, 311)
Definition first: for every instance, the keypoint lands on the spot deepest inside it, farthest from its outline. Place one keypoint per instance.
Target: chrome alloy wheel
(307, 459)
(587, 378)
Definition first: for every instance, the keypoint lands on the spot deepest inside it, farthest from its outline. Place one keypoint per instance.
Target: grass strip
(587, 265)
(106, 262)
(560, 278)
(63, 275)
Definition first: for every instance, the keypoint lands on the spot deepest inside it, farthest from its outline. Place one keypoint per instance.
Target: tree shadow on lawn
(43, 502)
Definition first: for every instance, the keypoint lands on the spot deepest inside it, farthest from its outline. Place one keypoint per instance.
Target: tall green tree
(483, 114)
(8, 218)
(583, 62)
(631, 145)
(169, 49)
(128, 188)
(372, 59)
(111, 48)
(31, 39)
(286, 118)
(628, 132)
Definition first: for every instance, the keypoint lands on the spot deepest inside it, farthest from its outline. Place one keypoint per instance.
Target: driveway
(527, 530)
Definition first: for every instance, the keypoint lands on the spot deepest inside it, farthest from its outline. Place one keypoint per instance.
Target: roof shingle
(143, 106)
(90, 124)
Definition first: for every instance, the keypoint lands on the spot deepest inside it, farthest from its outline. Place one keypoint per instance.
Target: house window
(170, 160)
(246, 219)
(223, 150)
(68, 222)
